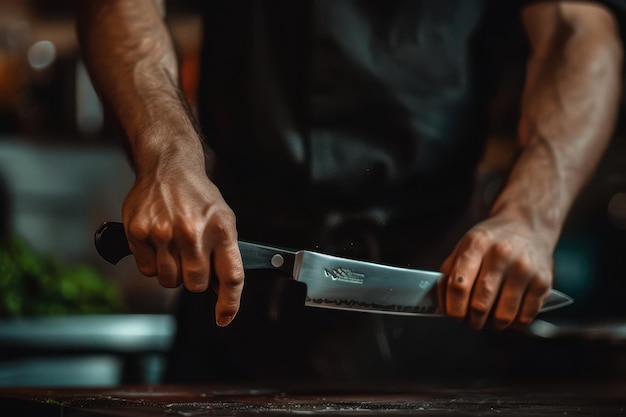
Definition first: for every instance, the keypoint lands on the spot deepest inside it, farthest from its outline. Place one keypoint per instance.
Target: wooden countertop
(477, 398)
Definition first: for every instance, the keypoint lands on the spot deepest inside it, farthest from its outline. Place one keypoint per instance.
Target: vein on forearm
(568, 112)
(132, 62)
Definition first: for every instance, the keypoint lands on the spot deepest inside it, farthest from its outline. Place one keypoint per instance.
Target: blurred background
(69, 318)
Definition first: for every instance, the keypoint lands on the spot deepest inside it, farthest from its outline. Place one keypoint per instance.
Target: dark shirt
(346, 103)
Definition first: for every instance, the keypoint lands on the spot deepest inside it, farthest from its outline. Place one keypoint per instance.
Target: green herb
(34, 284)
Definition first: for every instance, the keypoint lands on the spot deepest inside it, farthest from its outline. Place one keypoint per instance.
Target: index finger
(442, 284)
(228, 268)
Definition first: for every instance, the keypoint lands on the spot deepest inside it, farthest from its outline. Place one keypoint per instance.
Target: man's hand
(498, 275)
(178, 226)
(180, 229)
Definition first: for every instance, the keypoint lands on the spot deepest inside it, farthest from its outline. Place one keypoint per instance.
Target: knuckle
(226, 214)
(196, 276)
(223, 225)
(467, 259)
(138, 230)
(456, 288)
(479, 307)
(188, 233)
(507, 308)
(233, 281)
(478, 239)
(539, 293)
(523, 266)
(168, 273)
(484, 290)
(543, 281)
(539, 287)
(161, 232)
(502, 250)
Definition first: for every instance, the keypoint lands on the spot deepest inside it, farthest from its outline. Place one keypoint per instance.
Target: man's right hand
(178, 226)
(181, 230)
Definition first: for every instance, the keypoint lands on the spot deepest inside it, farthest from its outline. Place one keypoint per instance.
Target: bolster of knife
(257, 256)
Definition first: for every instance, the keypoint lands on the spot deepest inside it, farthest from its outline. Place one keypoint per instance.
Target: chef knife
(332, 282)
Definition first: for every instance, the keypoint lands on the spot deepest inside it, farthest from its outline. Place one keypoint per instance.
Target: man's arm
(178, 226)
(502, 269)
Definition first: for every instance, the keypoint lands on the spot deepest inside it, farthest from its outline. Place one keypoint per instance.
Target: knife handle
(112, 245)
(111, 242)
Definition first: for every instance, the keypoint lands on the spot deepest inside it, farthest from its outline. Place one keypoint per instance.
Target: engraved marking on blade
(345, 275)
(277, 260)
(362, 305)
(424, 284)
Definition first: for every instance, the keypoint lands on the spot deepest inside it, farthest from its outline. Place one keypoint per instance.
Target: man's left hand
(498, 275)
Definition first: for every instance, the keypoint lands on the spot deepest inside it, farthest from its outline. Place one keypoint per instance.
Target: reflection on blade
(354, 285)
(556, 299)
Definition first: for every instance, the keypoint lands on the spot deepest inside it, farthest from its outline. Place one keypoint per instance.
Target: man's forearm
(131, 59)
(568, 114)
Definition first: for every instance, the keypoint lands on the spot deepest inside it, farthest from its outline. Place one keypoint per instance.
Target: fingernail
(224, 320)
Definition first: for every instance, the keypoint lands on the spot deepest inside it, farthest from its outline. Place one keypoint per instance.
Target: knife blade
(332, 282)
